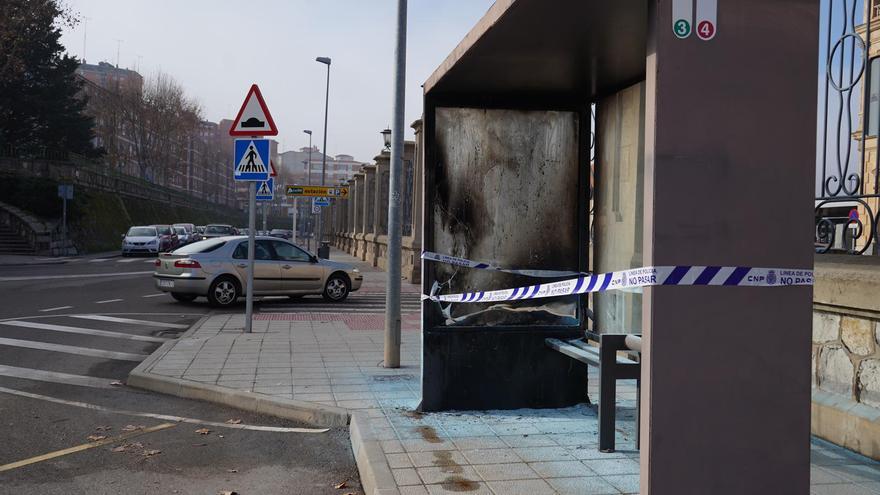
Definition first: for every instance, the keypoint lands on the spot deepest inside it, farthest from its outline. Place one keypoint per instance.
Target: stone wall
(846, 360)
(846, 352)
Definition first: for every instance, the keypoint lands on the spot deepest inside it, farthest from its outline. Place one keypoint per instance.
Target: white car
(141, 240)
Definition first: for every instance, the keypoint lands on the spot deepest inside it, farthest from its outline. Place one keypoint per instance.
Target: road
(69, 332)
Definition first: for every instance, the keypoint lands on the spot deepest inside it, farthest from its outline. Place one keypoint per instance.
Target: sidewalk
(330, 366)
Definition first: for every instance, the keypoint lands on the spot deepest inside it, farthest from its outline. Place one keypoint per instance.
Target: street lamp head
(307, 132)
(323, 60)
(386, 137)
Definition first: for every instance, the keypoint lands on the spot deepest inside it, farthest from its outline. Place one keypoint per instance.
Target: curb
(297, 410)
(376, 476)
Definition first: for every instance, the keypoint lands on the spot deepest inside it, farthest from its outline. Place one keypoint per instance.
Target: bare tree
(160, 120)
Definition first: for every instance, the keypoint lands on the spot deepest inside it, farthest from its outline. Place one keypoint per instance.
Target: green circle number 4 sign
(681, 28)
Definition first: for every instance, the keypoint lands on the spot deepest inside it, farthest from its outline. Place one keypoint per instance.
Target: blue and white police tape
(482, 265)
(731, 276)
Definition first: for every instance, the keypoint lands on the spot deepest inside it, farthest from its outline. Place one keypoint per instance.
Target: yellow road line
(85, 446)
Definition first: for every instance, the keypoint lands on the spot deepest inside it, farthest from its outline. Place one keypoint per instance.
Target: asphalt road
(68, 331)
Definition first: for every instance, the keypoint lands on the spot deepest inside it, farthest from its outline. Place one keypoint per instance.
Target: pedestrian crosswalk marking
(59, 308)
(83, 331)
(146, 323)
(54, 377)
(69, 349)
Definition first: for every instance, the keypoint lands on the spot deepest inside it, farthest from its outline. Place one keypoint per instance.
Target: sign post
(65, 192)
(251, 163)
(293, 211)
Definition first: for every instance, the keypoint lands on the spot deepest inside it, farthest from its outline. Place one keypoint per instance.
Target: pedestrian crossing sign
(251, 160)
(265, 190)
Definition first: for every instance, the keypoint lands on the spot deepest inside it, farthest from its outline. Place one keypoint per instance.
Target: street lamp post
(326, 61)
(392, 295)
(309, 182)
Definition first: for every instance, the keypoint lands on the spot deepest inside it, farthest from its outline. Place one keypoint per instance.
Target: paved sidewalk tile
(327, 361)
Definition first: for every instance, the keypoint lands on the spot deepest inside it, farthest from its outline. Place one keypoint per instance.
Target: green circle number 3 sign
(681, 28)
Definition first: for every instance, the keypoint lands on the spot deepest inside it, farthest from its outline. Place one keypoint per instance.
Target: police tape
(729, 276)
(482, 265)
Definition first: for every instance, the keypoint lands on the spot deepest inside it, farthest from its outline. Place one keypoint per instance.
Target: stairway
(12, 243)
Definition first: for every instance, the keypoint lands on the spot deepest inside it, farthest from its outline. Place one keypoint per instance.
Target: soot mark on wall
(506, 190)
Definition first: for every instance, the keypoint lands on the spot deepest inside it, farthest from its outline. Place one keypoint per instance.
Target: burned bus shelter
(696, 157)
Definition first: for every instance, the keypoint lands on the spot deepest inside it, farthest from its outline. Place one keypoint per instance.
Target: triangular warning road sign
(254, 118)
(251, 161)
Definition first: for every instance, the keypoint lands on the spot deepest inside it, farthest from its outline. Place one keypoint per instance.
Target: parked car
(218, 230)
(217, 268)
(167, 238)
(191, 234)
(200, 229)
(141, 240)
(282, 234)
(182, 235)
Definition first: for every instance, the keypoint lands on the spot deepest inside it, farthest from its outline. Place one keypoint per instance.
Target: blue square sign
(266, 190)
(251, 160)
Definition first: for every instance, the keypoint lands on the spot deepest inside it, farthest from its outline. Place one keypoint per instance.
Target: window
(207, 246)
(141, 232)
(262, 251)
(289, 252)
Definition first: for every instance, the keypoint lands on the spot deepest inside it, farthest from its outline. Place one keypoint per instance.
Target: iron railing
(846, 221)
(80, 170)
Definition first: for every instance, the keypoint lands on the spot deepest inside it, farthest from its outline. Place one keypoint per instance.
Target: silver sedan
(217, 269)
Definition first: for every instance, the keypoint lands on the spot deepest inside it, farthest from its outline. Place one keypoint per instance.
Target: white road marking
(59, 308)
(165, 417)
(146, 323)
(105, 301)
(89, 275)
(126, 260)
(150, 261)
(54, 377)
(83, 331)
(155, 295)
(69, 349)
(100, 260)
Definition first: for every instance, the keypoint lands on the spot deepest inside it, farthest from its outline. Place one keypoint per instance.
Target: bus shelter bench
(612, 367)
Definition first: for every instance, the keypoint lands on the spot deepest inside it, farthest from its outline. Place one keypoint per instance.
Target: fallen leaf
(340, 486)
(132, 427)
(228, 492)
(221, 436)
(103, 428)
(116, 383)
(121, 448)
(232, 470)
(150, 453)
(95, 438)
(199, 445)
(233, 421)
(203, 431)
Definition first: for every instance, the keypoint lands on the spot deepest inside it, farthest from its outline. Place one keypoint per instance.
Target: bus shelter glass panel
(619, 206)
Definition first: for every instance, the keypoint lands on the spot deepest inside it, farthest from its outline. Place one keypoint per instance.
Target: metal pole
(265, 212)
(392, 293)
(64, 218)
(324, 157)
(252, 222)
(295, 211)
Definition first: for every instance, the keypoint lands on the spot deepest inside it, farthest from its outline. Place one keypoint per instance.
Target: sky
(217, 48)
